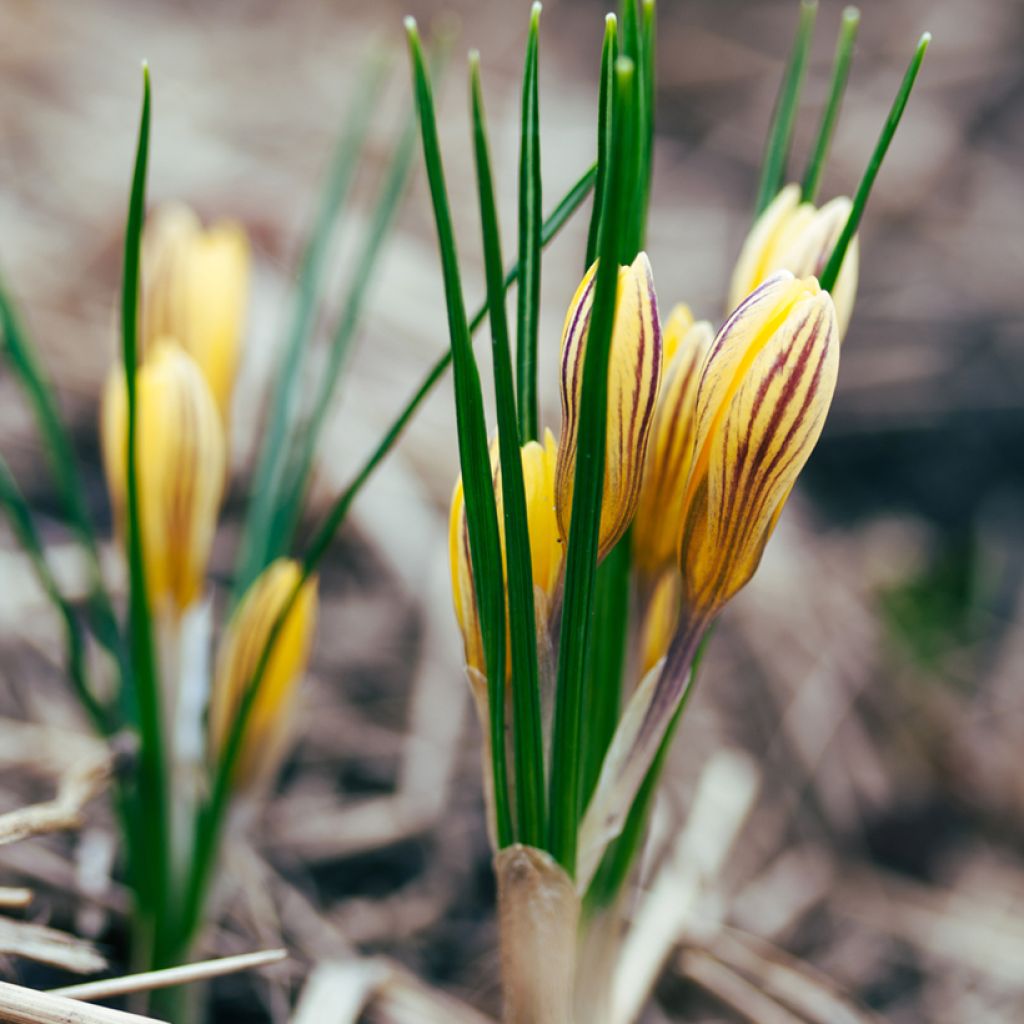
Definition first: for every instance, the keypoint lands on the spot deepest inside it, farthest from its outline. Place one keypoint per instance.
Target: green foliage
(860, 200)
(530, 218)
(527, 744)
(830, 115)
(780, 135)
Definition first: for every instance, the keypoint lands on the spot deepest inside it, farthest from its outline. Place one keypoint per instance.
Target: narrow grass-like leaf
(302, 449)
(622, 852)
(152, 796)
(840, 74)
(607, 661)
(631, 45)
(585, 520)
(527, 743)
(629, 26)
(606, 93)
(780, 135)
(259, 542)
(835, 262)
(648, 36)
(530, 219)
(210, 821)
(20, 516)
(474, 457)
(63, 468)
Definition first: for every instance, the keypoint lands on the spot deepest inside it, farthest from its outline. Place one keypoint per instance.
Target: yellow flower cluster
(699, 458)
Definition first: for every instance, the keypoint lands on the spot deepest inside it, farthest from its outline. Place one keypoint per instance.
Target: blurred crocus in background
(181, 470)
(269, 729)
(793, 234)
(195, 284)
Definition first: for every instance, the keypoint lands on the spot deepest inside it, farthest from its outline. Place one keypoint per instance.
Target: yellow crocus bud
(634, 374)
(181, 459)
(268, 730)
(194, 291)
(546, 547)
(656, 527)
(798, 237)
(764, 392)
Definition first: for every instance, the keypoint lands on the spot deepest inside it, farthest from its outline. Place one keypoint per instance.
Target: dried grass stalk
(184, 975)
(24, 1006)
(76, 788)
(48, 946)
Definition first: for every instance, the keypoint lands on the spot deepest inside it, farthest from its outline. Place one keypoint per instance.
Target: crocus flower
(656, 527)
(194, 292)
(634, 374)
(268, 729)
(763, 396)
(546, 547)
(181, 463)
(795, 236)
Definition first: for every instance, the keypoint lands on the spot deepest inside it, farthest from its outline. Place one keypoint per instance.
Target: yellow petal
(546, 548)
(268, 729)
(195, 290)
(795, 236)
(463, 594)
(634, 374)
(181, 465)
(659, 515)
(764, 393)
(661, 620)
(675, 328)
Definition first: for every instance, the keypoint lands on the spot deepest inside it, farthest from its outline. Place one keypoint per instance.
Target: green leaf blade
(606, 93)
(530, 221)
(527, 742)
(860, 200)
(840, 75)
(153, 796)
(474, 457)
(780, 135)
(585, 519)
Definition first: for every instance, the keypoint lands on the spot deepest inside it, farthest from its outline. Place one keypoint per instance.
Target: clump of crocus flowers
(701, 459)
(679, 446)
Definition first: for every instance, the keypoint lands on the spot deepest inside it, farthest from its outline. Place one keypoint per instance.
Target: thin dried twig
(76, 788)
(785, 978)
(736, 992)
(49, 946)
(20, 1005)
(184, 975)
